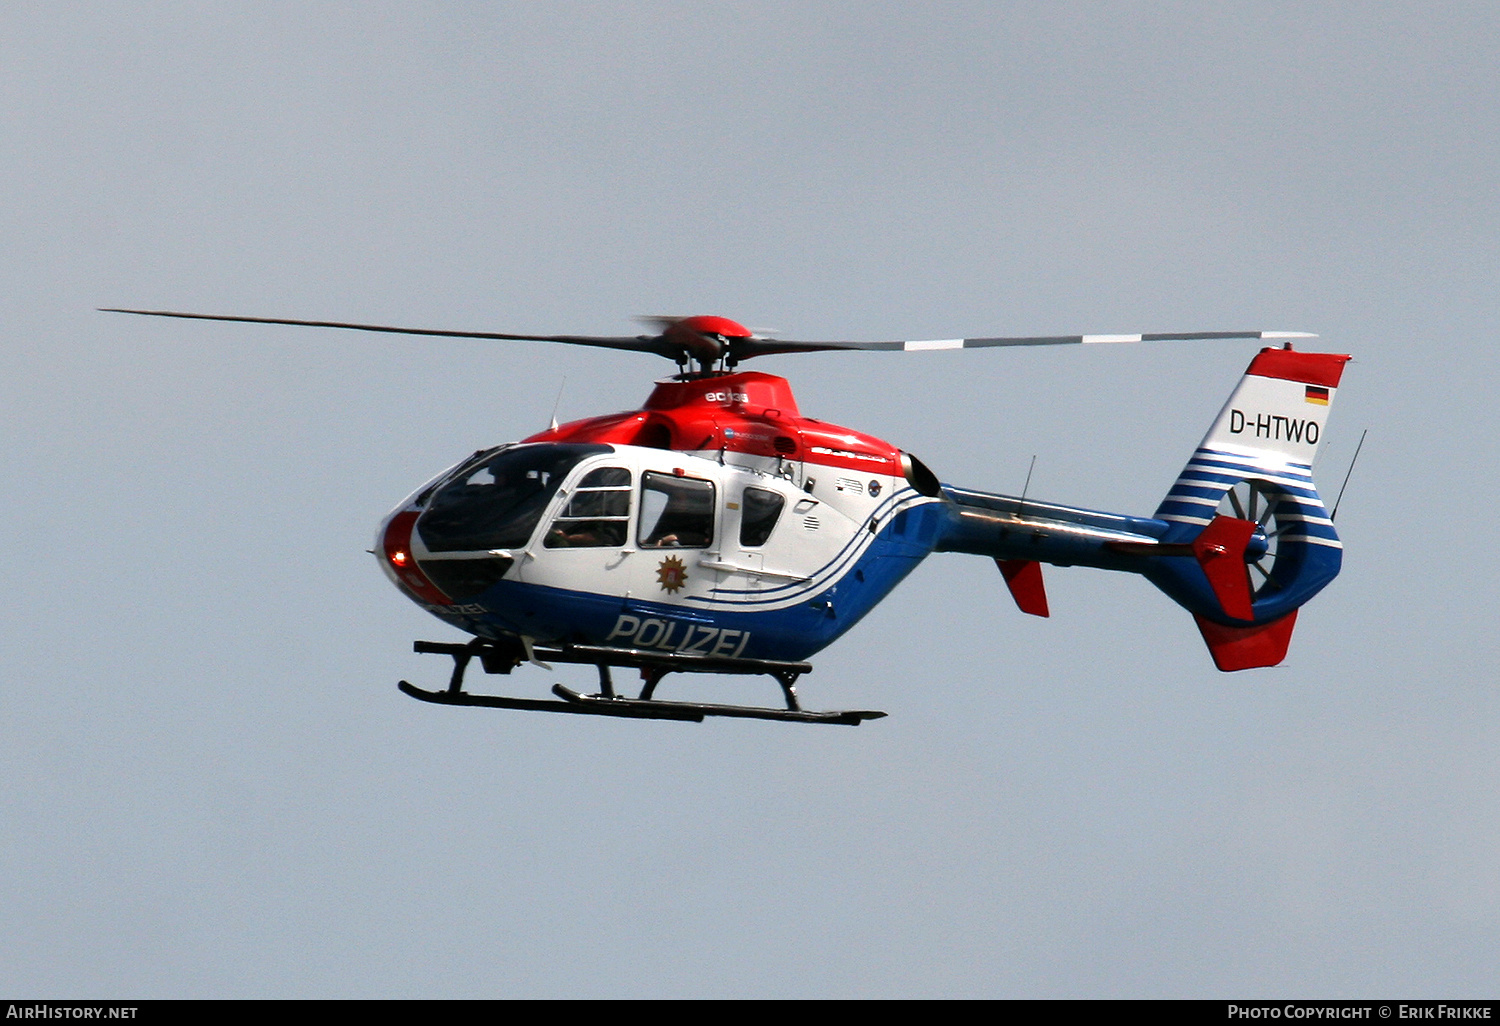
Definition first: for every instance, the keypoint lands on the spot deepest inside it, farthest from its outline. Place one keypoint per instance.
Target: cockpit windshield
(497, 504)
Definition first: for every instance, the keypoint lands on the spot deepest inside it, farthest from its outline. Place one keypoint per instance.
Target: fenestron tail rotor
(1258, 502)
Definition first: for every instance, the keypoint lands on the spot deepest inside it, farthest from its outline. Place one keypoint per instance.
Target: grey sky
(209, 785)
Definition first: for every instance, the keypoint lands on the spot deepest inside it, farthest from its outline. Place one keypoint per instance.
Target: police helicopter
(718, 530)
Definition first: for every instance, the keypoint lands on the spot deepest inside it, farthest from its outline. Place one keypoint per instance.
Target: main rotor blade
(739, 347)
(747, 348)
(635, 343)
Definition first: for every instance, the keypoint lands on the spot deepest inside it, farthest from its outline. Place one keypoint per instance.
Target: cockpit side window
(597, 514)
(676, 512)
(759, 510)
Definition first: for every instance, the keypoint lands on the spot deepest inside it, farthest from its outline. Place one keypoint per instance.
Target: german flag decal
(1317, 394)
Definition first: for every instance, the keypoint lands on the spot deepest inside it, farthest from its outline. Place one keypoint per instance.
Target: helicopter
(719, 530)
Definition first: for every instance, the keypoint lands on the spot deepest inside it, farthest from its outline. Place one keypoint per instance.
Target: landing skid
(499, 657)
(656, 709)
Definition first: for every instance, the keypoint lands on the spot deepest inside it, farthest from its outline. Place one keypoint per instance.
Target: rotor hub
(705, 339)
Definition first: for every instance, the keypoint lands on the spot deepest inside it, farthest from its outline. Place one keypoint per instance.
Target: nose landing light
(396, 544)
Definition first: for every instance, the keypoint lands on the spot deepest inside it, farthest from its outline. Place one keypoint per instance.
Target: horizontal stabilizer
(1245, 648)
(1024, 579)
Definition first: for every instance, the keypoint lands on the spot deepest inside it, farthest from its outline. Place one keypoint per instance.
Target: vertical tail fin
(1255, 465)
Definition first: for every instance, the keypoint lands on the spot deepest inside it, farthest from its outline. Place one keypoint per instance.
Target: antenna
(558, 402)
(1335, 514)
(1027, 486)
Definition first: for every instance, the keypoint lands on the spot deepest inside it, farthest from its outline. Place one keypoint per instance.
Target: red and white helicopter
(718, 530)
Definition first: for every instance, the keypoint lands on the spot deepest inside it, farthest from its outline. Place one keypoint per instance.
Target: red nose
(397, 548)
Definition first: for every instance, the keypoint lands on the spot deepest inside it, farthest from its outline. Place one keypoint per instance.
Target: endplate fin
(1246, 648)
(1024, 579)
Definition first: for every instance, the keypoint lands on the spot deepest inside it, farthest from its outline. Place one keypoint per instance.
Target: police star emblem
(671, 575)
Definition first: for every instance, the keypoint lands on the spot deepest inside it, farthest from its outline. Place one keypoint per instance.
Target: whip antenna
(1335, 514)
(558, 402)
(1027, 486)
